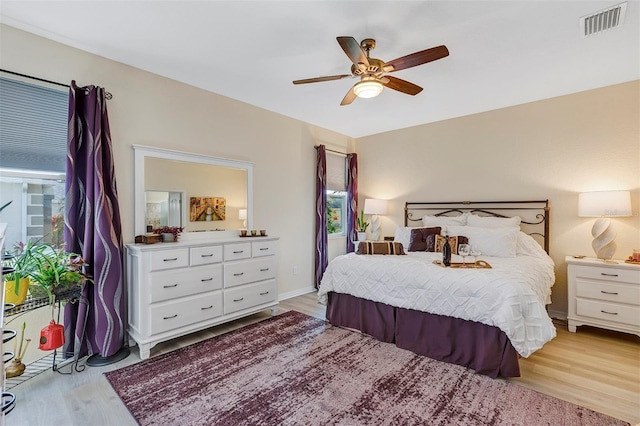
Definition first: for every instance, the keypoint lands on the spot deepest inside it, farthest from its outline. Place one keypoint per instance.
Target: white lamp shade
(242, 214)
(604, 204)
(373, 206)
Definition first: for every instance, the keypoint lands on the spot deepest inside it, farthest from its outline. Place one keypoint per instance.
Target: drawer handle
(264, 269)
(170, 260)
(206, 255)
(208, 307)
(207, 279)
(237, 275)
(609, 292)
(262, 294)
(610, 313)
(170, 286)
(173, 316)
(238, 252)
(264, 248)
(608, 275)
(238, 300)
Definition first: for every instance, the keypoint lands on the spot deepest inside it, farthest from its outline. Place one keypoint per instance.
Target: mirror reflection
(199, 197)
(163, 208)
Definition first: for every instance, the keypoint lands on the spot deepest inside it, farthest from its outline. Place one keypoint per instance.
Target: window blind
(33, 126)
(336, 172)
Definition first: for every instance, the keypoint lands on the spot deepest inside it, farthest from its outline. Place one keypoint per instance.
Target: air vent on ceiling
(603, 20)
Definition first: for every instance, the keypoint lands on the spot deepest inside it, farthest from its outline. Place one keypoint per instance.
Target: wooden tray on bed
(478, 264)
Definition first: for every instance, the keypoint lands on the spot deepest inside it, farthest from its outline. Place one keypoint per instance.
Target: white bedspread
(511, 296)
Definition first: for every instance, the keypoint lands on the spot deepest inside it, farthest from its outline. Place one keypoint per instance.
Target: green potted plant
(16, 282)
(56, 270)
(361, 226)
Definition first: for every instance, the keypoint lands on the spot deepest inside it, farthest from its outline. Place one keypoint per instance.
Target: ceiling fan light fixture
(367, 88)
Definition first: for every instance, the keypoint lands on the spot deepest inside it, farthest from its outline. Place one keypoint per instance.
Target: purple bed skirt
(483, 348)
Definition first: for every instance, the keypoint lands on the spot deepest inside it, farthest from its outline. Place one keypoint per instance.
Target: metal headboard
(534, 215)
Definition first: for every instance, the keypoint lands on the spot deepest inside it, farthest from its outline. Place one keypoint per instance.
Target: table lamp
(375, 207)
(242, 215)
(604, 205)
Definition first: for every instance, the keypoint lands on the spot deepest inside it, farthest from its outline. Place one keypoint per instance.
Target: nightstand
(605, 295)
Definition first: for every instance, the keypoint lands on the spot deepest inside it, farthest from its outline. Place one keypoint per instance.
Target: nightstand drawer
(621, 293)
(608, 274)
(615, 312)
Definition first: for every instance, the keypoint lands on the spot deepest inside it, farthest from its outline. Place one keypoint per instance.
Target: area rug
(294, 369)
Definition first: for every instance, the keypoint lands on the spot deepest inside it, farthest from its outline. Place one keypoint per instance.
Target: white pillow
(492, 222)
(494, 242)
(403, 235)
(528, 246)
(431, 221)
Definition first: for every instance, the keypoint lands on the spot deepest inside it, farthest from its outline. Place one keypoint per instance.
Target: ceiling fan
(371, 70)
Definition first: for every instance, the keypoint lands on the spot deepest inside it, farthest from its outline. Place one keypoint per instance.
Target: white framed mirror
(220, 187)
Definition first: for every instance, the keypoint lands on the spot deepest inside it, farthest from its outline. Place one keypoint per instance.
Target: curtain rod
(106, 94)
(331, 150)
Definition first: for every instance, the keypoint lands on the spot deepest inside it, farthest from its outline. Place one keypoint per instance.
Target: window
(336, 195)
(33, 150)
(336, 212)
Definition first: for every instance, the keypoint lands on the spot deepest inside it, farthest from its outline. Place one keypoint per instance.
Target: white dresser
(179, 288)
(604, 295)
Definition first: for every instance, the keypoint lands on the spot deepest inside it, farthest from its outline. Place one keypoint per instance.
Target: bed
(484, 319)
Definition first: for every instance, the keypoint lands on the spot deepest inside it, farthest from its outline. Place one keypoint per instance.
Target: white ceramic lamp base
(604, 236)
(375, 227)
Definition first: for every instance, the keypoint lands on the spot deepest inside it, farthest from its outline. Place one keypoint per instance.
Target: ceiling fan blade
(349, 97)
(402, 86)
(353, 50)
(417, 58)
(319, 79)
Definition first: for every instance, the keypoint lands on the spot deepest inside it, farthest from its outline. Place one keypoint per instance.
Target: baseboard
(295, 293)
(558, 315)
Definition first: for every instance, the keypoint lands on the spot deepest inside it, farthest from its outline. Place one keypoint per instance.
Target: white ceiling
(502, 53)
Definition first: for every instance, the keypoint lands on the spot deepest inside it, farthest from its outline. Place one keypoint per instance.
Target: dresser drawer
(263, 248)
(248, 271)
(614, 312)
(171, 315)
(237, 251)
(608, 274)
(205, 255)
(178, 283)
(169, 259)
(239, 298)
(603, 290)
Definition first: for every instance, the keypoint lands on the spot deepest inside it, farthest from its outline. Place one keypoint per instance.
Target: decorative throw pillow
(418, 241)
(380, 247)
(403, 235)
(436, 242)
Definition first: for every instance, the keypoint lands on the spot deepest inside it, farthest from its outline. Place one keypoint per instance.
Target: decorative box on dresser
(605, 295)
(182, 287)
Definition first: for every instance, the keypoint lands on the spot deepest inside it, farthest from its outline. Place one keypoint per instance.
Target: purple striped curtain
(93, 228)
(352, 199)
(322, 239)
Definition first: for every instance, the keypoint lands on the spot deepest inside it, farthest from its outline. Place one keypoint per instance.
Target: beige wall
(150, 110)
(551, 149)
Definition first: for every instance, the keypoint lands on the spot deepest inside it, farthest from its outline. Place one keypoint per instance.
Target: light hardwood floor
(594, 368)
